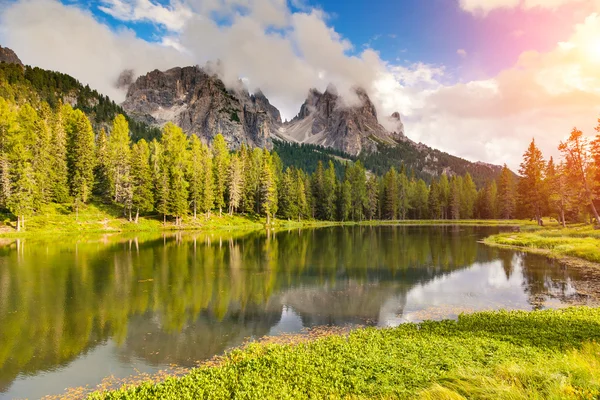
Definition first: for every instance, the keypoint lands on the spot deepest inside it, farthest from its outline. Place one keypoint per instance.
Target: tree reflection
(180, 298)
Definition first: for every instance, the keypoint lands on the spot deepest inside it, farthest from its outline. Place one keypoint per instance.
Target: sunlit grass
(491, 355)
(581, 241)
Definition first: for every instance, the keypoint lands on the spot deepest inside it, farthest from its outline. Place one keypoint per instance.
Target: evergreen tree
(506, 194)
(195, 172)
(345, 200)
(80, 157)
(160, 177)
(42, 158)
(302, 204)
(102, 185)
(119, 162)
(468, 197)
(435, 205)
(358, 183)
(531, 185)
(403, 195)
(236, 183)
(59, 170)
(390, 195)
(557, 190)
(175, 161)
(221, 170)
(207, 183)
(329, 192)
(372, 197)
(576, 150)
(268, 188)
(288, 206)
(421, 199)
(141, 179)
(444, 188)
(455, 197)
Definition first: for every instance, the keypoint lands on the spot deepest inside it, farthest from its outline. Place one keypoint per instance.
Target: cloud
(461, 52)
(53, 36)
(173, 17)
(284, 52)
(543, 96)
(483, 7)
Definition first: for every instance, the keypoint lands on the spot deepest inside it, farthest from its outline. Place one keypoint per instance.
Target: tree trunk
(164, 219)
(562, 216)
(194, 210)
(220, 211)
(130, 215)
(137, 215)
(18, 223)
(594, 210)
(23, 222)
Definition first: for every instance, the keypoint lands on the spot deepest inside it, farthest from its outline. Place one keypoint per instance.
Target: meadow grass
(579, 241)
(551, 354)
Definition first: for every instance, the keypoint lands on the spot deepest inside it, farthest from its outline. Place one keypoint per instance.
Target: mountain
(200, 104)
(324, 119)
(8, 56)
(34, 85)
(327, 127)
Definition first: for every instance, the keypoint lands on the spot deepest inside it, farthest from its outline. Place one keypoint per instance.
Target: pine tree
(59, 172)
(141, 179)
(175, 162)
(288, 195)
(80, 157)
(444, 187)
(455, 197)
(403, 195)
(102, 185)
(236, 183)
(390, 195)
(531, 184)
(358, 183)
(421, 199)
(119, 162)
(268, 188)
(329, 193)
(160, 177)
(468, 197)
(345, 200)
(207, 182)
(506, 194)
(577, 151)
(318, 192)
(221, 170)
(302, 205)
(372, 197)
(42, 158)
(195, 172)
(435, 206)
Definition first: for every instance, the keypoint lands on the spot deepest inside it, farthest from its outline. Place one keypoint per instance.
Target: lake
(75, 311)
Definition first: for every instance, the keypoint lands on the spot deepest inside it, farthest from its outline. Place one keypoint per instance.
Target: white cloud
(285, 53)
(483, 7)
(461, 52)
(172, 17)
(50, 35)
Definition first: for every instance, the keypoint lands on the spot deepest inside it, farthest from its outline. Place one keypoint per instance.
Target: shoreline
(432, 359)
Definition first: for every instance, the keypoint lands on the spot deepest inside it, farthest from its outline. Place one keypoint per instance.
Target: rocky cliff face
(200, 104)
(326, 119)
(9, 56)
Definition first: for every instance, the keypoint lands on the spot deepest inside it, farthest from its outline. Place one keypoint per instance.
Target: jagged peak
(9, 56)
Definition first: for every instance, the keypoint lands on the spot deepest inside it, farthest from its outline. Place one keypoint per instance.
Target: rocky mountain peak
(9, 56)
(198, 101)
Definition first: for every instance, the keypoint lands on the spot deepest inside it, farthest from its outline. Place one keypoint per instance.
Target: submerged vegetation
(490, 355)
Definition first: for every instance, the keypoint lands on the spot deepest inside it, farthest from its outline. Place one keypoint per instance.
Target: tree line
(567, 190)
(54, 155)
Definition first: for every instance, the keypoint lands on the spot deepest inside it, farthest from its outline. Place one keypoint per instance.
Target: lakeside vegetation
(489, 355)
(580, 241)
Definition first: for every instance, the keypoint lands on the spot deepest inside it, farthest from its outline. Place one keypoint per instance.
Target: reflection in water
(74, 312)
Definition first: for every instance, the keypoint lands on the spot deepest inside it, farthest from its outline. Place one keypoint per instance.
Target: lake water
(73, 312)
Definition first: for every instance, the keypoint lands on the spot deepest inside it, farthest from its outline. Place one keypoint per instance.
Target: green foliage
(484, 355)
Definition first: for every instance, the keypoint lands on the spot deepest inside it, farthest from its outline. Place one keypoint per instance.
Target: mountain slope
(325, 120)
(200, 104)
(24, 84)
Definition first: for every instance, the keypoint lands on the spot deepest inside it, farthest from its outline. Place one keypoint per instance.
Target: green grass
(97, 217)
(550, 354)
(579, 241)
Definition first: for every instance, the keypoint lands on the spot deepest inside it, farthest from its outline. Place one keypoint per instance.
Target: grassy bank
(581, 242)
(101, 218)
(491, 355)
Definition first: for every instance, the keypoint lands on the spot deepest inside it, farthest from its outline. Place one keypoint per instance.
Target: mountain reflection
(182, 298)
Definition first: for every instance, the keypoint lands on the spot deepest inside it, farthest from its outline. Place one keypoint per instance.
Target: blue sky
(475, 78)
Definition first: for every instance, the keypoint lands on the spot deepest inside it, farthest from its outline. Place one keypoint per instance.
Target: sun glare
(593, 50)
